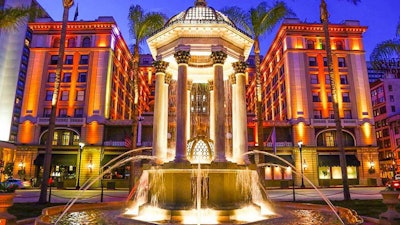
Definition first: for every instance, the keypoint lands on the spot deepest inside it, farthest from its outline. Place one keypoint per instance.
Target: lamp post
(394, 167)
(81, 145)
(300, 143)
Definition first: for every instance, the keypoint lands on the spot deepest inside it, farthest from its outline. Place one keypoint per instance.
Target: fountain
(199, 52)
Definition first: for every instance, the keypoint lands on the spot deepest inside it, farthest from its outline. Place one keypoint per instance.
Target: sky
(380, 16)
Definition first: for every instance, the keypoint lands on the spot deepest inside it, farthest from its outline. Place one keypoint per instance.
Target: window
(54, 60)
(329, 139)
(312, 61)
(327, 79)
(314, 79)
(346, 97)
(390, 88)
(66, 136)
(315, 97)
(69, 60)
(86, 42)
(343, 79)
(52, 77)
(391, 97)
(317, 114)
(78, 112)
(49, 95)
(310, 44)
(341, 62)
(71, 42)
(64, 95)
(347, 114)
(331, 114)
(325, 61)
(67, 77)
(329, 95)
(56, 42)
(80, 95)
(82, 77)
(393, 108)
(84, 60)
(46, 112)
(322, 44)
(339, 45)
(62, 113)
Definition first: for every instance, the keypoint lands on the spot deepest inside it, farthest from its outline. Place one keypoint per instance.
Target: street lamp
(81, 145)
(300, 143)
(394, 167)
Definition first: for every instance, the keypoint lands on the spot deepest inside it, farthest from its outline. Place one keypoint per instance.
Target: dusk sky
(380, 17)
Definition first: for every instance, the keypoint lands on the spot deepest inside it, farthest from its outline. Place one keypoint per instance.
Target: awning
(57, 159)
(271, 159)
(334, 160)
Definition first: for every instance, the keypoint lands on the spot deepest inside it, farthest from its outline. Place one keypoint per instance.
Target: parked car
(394, 183)
(20, 183)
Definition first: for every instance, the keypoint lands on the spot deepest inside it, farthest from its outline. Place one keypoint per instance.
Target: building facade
(95, 108)
(298, 107)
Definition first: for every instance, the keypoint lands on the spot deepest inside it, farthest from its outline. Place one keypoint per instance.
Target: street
(94, 196)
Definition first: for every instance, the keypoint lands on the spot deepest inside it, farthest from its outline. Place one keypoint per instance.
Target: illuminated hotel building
(297, 103)
(95, 101)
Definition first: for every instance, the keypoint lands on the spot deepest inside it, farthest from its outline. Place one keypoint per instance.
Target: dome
(200, 13)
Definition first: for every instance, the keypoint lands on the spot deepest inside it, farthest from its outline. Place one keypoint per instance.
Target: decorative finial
(200, 3)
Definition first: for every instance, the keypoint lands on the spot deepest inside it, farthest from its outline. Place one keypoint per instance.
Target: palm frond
(386, 50)
(239, 17)
(11, 18)
(398, 29)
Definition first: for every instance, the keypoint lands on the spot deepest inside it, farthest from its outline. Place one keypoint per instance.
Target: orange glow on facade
(367, 131)
(26, 132)
(93, 135)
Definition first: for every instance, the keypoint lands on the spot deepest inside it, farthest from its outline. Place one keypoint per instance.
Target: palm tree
(386, 51)
(11, 18)
(256, 22)
(142, 26)
(52, 121)
(339, 132)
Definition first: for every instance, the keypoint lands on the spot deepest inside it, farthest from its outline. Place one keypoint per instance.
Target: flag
(273, 138)
(76, 12)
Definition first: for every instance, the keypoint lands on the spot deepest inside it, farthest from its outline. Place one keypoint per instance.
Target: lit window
(49, 95)
(80, 95)
(314, 79)
(64, 95)
(52, 77)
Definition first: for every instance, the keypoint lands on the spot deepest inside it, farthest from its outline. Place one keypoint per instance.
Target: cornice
(72, 26)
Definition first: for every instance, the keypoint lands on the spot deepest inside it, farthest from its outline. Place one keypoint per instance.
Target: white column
(165, 125)
(235, 138)
(182, 58)
(159, 131)
(218, 58)
(241, 113)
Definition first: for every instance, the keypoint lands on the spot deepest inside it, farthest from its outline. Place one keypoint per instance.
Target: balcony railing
(62, 121)
(114, 143)
(331, 122)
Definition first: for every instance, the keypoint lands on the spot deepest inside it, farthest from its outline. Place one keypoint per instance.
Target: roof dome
(200, 13)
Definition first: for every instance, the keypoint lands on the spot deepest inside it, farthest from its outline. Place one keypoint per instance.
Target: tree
(11, 18)
(256, 22)
(386, 51)
(339, 132)
(142, 26)
(52, 121)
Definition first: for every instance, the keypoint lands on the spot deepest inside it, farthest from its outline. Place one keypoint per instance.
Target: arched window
(339, 45)
(328, 138)
(71, 42)
(56, 42)
(86, 42)
(63, 136)
(310, 44)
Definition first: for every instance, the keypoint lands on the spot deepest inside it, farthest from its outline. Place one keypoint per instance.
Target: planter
(6, 201)
(391, 216)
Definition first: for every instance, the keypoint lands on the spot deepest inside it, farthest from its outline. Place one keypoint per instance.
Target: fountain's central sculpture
(203, 53)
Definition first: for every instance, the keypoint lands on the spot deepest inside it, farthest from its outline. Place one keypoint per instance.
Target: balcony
(115, 143)
(68, 121)
(331, 122)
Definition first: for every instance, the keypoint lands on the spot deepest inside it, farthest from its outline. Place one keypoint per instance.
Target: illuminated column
(241, 118)
(189, 88)
(235, 147)
(212, 112)
(218, 58)
(159, 131)
(168, 78)
(182, 58)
